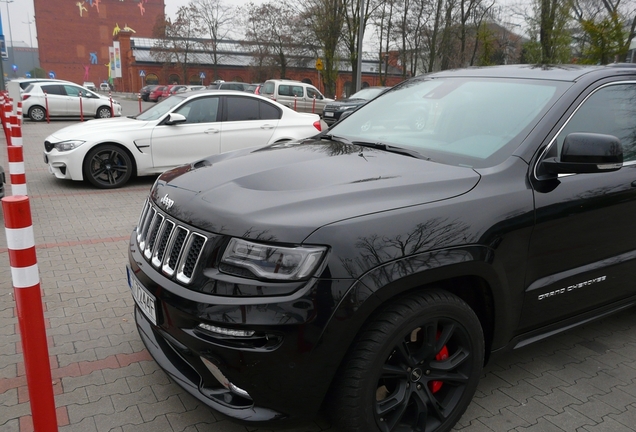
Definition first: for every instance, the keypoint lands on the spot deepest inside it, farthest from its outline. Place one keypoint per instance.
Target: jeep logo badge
(167, 202)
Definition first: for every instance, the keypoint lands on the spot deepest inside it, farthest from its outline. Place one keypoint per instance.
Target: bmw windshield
(159, 109)
(475, 122)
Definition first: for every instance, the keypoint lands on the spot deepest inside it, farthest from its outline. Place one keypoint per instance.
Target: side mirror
(585, 153)
(174, 118)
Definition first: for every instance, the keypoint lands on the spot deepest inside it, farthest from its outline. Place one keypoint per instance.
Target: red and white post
(81, 107)
(112, 111)
(28, 298)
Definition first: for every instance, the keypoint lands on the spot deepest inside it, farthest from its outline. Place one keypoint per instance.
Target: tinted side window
(269, 111)
(313, 93)
(72, 90)
(284, 90)
(611, 111)
(203, 110)
(240, 108)
(297, 91)
(55, 89)
(267, 88)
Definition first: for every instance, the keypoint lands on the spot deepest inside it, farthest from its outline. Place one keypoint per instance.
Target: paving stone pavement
(104, 380)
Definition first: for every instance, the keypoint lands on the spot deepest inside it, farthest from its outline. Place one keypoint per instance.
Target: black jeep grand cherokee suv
(373, 268)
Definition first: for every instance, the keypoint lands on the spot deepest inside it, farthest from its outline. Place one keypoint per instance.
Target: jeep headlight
(273, 262)
(68, 145)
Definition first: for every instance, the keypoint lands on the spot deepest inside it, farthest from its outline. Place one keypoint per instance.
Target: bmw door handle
(211, 131)
(267, 126)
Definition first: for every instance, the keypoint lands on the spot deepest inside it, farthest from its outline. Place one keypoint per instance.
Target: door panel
(583, 249)
(243, 127)
(198, 137)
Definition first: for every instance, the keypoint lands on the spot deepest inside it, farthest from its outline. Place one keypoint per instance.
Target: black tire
(37, 113)
(108, 166)
(414, 367)
(103, 112)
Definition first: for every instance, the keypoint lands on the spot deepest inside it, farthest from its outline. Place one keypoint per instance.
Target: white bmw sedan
(179, 130)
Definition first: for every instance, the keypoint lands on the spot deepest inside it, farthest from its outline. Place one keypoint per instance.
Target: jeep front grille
(167, 245)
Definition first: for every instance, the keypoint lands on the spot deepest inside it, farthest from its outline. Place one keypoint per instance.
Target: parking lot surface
(104, 380)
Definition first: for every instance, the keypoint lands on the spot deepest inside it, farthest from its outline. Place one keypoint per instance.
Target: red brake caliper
(436, 386)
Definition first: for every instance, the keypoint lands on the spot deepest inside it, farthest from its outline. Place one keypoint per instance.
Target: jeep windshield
(475, 122)
(159, 109)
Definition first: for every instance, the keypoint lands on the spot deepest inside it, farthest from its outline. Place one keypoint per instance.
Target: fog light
(227, 331)
(223, 380)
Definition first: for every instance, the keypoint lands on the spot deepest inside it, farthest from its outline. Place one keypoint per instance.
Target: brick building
(74, 36)
(141, 65)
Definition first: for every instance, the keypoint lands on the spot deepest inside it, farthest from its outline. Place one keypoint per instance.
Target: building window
(152, 79)
(174, 79)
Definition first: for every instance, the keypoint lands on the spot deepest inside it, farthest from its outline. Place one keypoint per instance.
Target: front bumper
(285, 368)
(62, 165)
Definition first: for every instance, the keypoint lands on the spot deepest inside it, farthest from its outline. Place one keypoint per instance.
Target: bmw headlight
(273, 262)
(67, 145)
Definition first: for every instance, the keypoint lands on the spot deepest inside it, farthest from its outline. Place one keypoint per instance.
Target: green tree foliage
(606, 40)
(549, 26)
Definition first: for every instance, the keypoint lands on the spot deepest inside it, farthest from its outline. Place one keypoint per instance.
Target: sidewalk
(104, 380)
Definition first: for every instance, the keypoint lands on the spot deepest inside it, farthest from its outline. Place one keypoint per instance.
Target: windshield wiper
(377, 146)
(335, 138)
(391, 149)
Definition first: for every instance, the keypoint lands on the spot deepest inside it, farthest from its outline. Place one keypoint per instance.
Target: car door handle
(267, 126)
(211, 131)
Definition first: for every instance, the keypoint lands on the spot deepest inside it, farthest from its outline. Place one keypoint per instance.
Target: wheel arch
(115, 143)
(28, 113)
(475, 282)
(103, 106)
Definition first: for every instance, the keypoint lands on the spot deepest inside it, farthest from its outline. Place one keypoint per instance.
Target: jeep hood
(285, 192)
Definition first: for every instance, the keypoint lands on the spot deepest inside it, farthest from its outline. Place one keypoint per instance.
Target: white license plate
(328, 114)
(144, 300)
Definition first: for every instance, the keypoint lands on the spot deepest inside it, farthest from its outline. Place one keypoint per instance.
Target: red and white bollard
(81, 107)
(16, 171)
(28, 299)
(313, 106)
(16, 159)
(294, 102)
(46, 104)
(110, 97)
(139, 99)
(19, 113)
(16, 131)
(7, 122)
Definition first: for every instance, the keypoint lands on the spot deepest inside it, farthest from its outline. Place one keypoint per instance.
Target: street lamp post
(12, 56)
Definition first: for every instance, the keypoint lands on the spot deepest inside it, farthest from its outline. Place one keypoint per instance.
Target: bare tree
(383, 22)
(273, 28)
(178, 42)
(325, 19)
(216, 19)
(351, 34)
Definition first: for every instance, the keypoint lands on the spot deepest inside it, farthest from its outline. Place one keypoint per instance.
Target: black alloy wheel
(415, 367)
(107, 166)
(37, 113)
(103, 112)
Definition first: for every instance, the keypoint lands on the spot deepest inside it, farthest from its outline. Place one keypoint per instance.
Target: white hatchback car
(63, 100)
(178, 130)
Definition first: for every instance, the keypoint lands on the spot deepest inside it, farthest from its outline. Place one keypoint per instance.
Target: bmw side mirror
(174, 118)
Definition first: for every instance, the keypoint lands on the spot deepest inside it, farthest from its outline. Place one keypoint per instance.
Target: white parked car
(179, 130)
(89, 85)
(63, 100)
(104, 86)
